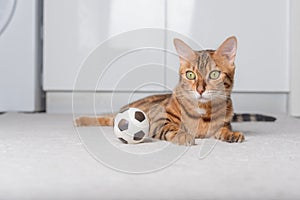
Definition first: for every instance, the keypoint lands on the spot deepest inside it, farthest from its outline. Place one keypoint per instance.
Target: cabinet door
(260, 26)
(73, 28)
(20, 63)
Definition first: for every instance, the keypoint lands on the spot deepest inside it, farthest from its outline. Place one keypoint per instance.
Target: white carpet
(42, 157)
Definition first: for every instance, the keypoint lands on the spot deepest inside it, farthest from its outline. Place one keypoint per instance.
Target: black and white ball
(131, 126)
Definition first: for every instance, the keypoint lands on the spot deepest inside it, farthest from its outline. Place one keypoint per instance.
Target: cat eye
(214, 74)
(190, 75)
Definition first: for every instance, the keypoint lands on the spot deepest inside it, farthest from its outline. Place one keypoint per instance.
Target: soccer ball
(131, 126)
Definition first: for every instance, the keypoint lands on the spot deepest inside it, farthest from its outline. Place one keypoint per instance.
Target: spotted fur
(197, 108)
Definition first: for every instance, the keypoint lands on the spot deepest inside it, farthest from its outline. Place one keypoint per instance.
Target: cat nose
(200, 90)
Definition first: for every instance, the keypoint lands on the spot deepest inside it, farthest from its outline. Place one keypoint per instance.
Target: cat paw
(231, 137)
(184, 139)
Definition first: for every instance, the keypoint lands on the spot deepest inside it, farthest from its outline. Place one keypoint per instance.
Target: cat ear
(228, 49)
(185, 52)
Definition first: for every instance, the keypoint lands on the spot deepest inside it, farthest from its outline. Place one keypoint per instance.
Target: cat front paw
(231, 137)
(184, 139)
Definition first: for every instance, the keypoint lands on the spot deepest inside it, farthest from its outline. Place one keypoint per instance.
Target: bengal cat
(200, 106)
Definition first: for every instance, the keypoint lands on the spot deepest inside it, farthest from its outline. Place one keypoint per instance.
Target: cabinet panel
(20, 56)
(261, 28)
(73, 28)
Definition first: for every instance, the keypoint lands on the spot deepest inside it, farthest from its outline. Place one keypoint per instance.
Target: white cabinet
(261, 27)
(125, 39)
(20, 56)
(74, 28)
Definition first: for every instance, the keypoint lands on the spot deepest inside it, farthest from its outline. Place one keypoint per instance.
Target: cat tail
(102, 120)
(246, 117)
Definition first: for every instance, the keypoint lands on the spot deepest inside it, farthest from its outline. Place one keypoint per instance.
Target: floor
(44, 157)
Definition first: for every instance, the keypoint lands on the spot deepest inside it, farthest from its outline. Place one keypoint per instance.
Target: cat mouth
(202, 99)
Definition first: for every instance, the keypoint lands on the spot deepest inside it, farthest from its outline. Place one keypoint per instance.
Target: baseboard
(88, 102)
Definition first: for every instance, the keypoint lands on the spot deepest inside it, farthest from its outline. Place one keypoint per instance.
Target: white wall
(294, 99)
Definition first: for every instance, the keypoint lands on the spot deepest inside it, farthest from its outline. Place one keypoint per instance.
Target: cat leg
(227, 135)
(183, 138)
(171, 132)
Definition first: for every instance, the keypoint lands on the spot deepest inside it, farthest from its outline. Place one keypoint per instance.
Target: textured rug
(43, 156)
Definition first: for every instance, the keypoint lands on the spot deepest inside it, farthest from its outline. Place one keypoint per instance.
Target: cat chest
(207, 128)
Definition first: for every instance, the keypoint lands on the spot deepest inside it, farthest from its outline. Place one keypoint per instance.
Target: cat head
(206, 75)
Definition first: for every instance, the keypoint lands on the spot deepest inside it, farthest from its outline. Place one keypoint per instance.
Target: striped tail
(104, 120)
(245, 117)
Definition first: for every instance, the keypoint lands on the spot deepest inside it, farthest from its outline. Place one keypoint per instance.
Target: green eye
(190, 75)
(214, 74)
